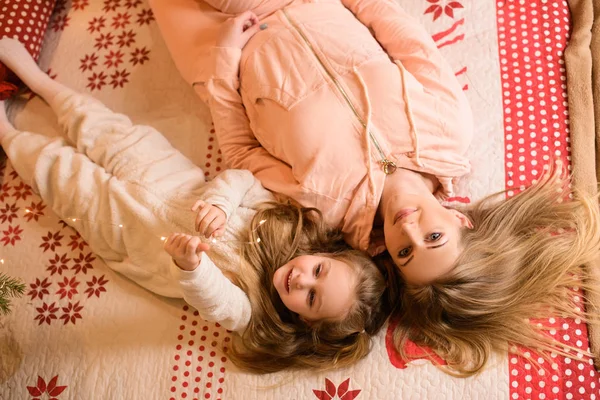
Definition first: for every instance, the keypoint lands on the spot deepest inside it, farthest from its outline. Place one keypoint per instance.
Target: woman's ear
(464, 221)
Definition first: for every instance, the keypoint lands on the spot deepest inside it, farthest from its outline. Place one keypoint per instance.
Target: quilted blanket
(83, 331)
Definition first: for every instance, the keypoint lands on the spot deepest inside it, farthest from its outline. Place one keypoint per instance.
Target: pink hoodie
(324, 100)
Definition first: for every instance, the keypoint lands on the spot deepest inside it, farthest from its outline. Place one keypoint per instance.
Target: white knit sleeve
(215, 297)
(227, 189)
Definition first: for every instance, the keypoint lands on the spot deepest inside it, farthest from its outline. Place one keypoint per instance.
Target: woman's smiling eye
(434, 237)
(404, 252)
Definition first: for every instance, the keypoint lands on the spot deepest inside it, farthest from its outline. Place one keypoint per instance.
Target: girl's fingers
(191, 245)
(198, 203)
(206, 222)
(251, 31)
(201, 215)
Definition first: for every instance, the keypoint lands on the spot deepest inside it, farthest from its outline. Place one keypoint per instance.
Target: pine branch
(9, 287)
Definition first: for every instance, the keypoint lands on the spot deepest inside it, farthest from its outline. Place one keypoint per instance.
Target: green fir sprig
(10, 288)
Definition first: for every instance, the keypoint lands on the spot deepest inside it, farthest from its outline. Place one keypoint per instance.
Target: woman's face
(422, 236)
(316, 287)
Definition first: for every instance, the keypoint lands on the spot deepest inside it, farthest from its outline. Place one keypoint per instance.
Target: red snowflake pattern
(68, 288)
(11, 235)
(88, 62)
(119, 78)
(126, 38)
(145, 17)
(34, 211)
(132, 3)
(96, 285)
(342, 391)
(77, 242)
(97, 81)
(39, 288)
(22, 191)
(438, 7)
(51, 241)
(139, 56)
(41, 388)
(121, 20)
(71, 313)
(8, 213)
(79, 4)
(96, 24)
(60, 23)
(104, 41)
(4, 191)
(113, 58)
(46, 313)
(83, 263)
(58, 264)
(110, 5)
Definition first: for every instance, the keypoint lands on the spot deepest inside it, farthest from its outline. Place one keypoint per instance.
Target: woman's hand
(210, 220)
(236, 31)
(186, 250)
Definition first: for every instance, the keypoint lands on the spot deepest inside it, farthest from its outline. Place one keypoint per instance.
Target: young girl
(346, 106)
(123, 187)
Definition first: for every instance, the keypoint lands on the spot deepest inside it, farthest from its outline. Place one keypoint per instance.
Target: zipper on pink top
(389, 167)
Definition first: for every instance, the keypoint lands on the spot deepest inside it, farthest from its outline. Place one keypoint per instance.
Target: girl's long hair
(277, 338)
(520, 262)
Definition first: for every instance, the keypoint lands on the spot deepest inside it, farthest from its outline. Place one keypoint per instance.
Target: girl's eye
(311, 298)
(434, 237)
(404, 252)
(318, 270)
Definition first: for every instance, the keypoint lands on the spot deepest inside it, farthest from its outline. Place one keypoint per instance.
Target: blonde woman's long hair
(277, 338)
(521, 261)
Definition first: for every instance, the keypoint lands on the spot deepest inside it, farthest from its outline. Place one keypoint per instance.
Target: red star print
(39, 288)
(8, 213)
(12, 235)
(77, 242)
(79, 4)
(119, 79)
(110, 5)
(145, 17)
(437, 8)
(104, 41)
(96, 24)
(121, 20)
(71, 313)
(132, 3)
(51, 241)
(68, 288)
(96, 285)
(41, 388)
(22, 191)
(34, 211)
(97, 81)
(113, 58)
(4, 191)
(58, 264)
(139, 56)
(126, 38)
(83, 263)
(46, 313)
(88, 62)
(60, 23)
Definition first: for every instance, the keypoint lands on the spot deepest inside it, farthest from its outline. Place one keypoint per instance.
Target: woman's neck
(406, 181)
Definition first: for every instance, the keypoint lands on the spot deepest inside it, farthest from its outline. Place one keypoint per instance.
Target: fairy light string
(162, 238)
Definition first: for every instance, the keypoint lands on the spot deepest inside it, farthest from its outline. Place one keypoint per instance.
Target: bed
(82, 331)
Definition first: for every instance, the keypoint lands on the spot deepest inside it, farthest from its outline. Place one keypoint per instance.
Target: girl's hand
(210, 220)
(185, 250)
(236, 31)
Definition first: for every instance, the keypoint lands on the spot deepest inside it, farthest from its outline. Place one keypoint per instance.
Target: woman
(346, 106)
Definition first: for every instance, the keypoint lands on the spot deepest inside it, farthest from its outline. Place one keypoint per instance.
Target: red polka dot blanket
(84, 331)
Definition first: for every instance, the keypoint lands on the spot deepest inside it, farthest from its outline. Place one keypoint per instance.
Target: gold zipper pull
(389, 167)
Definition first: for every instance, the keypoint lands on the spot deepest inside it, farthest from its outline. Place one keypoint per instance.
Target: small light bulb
(73, 219)
(262, 221)
(120, 225)
(163, 238)
(258, 240)
(27, 210)
(1, 261)
(214, 240)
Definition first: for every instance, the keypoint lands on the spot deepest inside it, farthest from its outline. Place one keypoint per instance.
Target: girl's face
(316, 287)
(422, 236)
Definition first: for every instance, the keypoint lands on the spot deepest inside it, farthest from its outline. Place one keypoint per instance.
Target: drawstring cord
(409, 114)
(367, 129)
